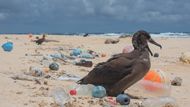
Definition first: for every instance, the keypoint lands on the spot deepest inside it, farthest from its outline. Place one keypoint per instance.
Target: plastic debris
(73, 92)
(54, 66)
(156, 83)
(69, 77)
(156, 54)
(84, 63)
(76, 52)
(98, 92)
(86, 55)
(35, 71)
(160, 102)
(60, 96)
(46, 62)
(8, 46)
(111, 101)
(58, 56)
(123, 99)
(82, 90)
(93, 53)
(177, 81)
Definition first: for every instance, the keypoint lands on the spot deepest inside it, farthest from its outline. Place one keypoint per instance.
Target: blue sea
(166, 34)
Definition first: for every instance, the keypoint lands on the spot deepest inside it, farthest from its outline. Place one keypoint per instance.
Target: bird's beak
(150, 51)
(155, 43)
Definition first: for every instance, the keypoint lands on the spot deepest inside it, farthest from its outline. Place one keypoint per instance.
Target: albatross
(41, 40)
(123, 70)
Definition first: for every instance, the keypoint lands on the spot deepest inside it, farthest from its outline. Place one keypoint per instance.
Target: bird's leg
(134, 97)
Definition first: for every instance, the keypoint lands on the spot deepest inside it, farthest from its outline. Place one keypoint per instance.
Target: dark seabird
(41, 40)
(124, 69)
(85, 35)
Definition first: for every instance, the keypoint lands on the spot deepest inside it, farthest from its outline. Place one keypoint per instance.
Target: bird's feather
(111, 71)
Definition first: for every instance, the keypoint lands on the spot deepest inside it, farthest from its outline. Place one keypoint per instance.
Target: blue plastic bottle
(98, 92)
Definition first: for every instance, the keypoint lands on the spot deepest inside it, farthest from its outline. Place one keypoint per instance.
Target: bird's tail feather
(81, 81)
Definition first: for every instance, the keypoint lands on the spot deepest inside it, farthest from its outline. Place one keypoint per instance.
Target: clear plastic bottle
(60, 95)
(160, 102)
(84, 90)
(81, 90)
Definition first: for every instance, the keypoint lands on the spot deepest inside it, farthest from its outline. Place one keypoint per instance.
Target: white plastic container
(158, 85)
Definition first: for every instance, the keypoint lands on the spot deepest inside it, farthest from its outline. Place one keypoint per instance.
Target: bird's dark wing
(111, 71)
(140, 68)
(39, 41)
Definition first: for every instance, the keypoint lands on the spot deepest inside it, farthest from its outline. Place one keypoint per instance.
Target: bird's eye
(148, 37)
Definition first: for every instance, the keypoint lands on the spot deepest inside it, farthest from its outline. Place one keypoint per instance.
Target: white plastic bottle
(84, 90)
(60, 96)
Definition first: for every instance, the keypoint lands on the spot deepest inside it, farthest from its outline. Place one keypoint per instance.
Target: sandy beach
(32, 93)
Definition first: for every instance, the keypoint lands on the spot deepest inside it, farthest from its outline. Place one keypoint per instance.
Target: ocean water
(170, 34)
(167, 34)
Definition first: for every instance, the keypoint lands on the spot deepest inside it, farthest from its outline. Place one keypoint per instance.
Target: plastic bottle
(60, 95)
(160, 102)
(80, 90)
(84, 90)
(98, 92)
(156, 83)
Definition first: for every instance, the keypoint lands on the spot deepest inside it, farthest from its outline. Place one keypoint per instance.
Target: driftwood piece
(24, 78)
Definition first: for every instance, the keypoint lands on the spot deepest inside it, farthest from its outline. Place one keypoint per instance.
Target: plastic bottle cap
(73, 92)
